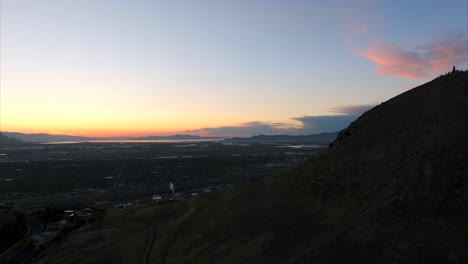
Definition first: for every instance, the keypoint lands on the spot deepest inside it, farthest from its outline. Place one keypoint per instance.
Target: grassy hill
(391, 189)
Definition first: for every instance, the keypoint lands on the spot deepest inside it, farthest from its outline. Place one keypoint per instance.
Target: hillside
(391, 189)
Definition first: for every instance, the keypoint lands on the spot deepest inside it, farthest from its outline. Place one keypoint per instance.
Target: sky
(216, 68)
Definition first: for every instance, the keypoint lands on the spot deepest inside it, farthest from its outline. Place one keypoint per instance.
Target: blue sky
(107, 67)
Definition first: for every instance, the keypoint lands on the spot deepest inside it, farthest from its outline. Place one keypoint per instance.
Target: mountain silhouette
(4, 140)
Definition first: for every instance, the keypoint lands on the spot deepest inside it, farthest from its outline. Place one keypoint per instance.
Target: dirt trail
(151, 235)
(179, 222)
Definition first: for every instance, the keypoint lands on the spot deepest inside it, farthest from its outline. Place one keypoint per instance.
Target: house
(84, 215)
(53, 231)
(178, 196)
(156, 198)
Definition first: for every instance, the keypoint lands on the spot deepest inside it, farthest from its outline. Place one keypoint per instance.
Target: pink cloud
(429, 59)
(359, 20)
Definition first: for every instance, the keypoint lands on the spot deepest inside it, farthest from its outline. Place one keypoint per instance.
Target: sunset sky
(224, 68)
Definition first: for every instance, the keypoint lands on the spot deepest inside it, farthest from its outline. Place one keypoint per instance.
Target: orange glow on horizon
(121, 129)
(102, 133)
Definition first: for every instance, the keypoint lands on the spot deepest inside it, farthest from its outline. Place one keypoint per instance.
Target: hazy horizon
(143, 138)
(216, 68)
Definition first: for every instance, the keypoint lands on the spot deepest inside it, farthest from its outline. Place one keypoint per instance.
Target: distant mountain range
(44, 138)
(318, 138)
(4, 140)
(47, 138)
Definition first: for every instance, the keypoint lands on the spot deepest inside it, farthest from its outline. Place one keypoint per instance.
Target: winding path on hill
(179, 222)
(151, 235)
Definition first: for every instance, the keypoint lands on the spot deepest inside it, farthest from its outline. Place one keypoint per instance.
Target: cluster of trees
(12, 230)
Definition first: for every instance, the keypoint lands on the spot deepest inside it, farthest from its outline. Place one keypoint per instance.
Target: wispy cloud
(423, 61)
(451, 49)
(319, 124)
(307, 124)
(363, 27)
(245, 129)
(359, 20)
